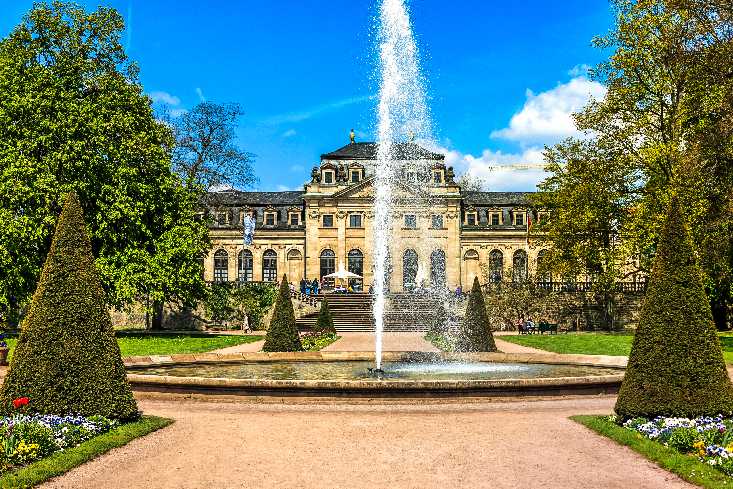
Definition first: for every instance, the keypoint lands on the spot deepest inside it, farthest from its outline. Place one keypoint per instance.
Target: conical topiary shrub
(67, 359)
(676, 365)
(282, 335)
(324, 324)
(437, 325)
(475, 331)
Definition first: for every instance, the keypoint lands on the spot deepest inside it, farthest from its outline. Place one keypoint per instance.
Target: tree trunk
(720, 307)
(157, 323)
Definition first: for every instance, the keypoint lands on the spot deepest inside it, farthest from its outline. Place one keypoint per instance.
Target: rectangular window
(270, 219)
(519, 219)
(438, 177)
(294, 219)
(355, 176)
(495, 219)
(221, 218)
(328, 177)
(410, 221)
(471, 219)
(328, 221)
(437, 221)
(354, 220)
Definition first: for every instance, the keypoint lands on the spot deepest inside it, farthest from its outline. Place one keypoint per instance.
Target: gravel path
(243, 348)
(508, 347)
(390, 342)
(515, 444)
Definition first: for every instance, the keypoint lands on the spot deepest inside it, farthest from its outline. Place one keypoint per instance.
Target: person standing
(314, 286)
(302, 286)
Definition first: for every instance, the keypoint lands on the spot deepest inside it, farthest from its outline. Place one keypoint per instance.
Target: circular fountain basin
(405, 374)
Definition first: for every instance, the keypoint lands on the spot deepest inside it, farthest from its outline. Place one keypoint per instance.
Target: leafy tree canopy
(73, 116)
(664, 127)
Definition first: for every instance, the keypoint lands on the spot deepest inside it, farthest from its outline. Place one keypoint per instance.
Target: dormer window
(519, 218)
(294, 218)
(495, 218)
(471, 218)
(411, 177)
(355, 176)
(270, 218)
(221, 218)
(542, 217)
(410, 221)
(437, 176)
(329, 176)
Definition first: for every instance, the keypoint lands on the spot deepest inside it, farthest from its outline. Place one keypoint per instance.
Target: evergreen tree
(475, 331)
(282, 335)
(67, 359)
(325, 321)
(437, 325)
(676, 365)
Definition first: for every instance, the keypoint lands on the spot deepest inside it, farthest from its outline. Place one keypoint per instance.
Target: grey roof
(496, 198)
(239, 198)
(368, 151)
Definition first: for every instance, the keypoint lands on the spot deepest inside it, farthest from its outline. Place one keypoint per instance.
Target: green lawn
(63, 461)
(596, 343)
(685, 466)
(174, 343)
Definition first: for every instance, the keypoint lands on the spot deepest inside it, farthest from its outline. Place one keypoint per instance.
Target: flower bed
(317, 341)
(708, 438)
(25, 438)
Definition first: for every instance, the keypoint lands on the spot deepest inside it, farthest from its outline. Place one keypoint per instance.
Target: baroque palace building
(328, 225)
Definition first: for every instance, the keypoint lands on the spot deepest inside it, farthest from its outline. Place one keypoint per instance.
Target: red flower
(21, 401)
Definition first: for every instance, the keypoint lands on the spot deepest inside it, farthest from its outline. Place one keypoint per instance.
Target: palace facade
(328, 225)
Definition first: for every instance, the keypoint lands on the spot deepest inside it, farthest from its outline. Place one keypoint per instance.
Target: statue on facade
(341, 173)
(249, 227)
(450, 175)
(352, 136)
(315, 175)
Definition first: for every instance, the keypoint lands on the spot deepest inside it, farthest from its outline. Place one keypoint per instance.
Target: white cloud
(579, 70)
(165, 98)
(297, 168)
(317, 110)
(284, 188)
(502, 172)
(547, 116)
(289, 133)
(200, 93)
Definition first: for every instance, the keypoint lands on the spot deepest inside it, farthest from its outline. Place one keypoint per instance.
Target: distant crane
(518, 166)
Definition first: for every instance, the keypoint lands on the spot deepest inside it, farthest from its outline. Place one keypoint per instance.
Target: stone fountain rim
(548, 385)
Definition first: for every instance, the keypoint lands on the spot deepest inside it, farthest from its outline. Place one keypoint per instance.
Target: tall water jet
(402, 114)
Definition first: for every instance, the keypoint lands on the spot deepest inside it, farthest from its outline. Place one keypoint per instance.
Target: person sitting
(531, 327)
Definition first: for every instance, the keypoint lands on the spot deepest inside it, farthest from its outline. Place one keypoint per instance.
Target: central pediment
(365, 190)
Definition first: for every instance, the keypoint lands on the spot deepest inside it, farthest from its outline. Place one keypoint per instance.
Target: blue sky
(503, 76)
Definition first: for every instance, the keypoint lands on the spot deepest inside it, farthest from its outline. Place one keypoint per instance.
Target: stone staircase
(353, 313)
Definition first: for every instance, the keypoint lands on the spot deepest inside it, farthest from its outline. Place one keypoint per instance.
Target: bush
(682, 439)
(317, 341)
(324, 324)
(67, 359)
(438, 323)
(282, 335)
(475, 333)
(676, 365)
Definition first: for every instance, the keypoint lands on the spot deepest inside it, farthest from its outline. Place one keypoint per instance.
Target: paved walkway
(502, 445)
(390, 342)
(243, 348)
(508, 347)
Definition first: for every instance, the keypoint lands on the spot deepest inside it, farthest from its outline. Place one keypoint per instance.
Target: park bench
(547, 327)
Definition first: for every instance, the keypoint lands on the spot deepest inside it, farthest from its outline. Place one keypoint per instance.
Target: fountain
(402, 184)
(402, 112)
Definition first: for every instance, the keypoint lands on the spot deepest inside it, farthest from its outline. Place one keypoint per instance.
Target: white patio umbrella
(342, 274)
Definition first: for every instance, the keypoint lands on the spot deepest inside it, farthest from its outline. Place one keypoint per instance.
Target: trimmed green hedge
(282, 335)
(67, 359)
(676, 365)
(475, 330)
(324, 324)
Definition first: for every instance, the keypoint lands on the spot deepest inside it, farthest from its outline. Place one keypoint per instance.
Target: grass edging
(686, 467)
(61, 462)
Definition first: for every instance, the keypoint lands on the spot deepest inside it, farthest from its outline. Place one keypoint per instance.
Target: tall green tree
(73, 116)
(663, 128)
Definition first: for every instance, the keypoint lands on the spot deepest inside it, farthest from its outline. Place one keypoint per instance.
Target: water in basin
(359, 370)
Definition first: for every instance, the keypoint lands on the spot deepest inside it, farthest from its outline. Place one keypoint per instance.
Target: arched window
(519, 266)
(409, 269)
(543, 275)
(471, 268)
(269, 266)
(496, 266)
(355, 263)
(221, 266)
(437, 268)
(244, 266)
(328, 266)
